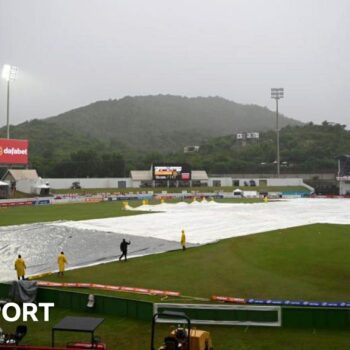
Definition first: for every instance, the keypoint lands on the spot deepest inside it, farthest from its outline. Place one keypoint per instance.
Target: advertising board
(13, 151)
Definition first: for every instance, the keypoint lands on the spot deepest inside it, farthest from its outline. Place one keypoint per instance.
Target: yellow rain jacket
(20, 267)
(183, 238)
(62, 261)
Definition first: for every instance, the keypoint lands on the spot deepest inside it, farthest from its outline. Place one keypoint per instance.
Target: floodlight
(9, 73)
(276, 94)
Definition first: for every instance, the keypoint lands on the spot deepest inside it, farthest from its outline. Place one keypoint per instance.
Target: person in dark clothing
(124, 249)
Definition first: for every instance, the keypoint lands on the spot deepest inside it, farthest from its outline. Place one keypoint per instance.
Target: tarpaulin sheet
(206, 222)
(95, 241)
(40, 245)
(23, 291)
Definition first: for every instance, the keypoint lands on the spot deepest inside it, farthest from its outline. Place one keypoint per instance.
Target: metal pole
(8, 109)
(52, 338)
(278, 140)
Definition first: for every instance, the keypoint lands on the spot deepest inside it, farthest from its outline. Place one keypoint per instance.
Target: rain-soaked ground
(94, 241)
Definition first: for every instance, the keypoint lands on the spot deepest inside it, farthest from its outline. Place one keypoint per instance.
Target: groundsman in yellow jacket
(183, 240)
(20, 267)
(62, 261)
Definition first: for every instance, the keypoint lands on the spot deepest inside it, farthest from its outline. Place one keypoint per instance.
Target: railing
(27, 347)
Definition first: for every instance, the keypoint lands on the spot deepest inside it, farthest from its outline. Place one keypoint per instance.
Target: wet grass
(126, 334)
(308, 263)
(46, 213)
(79, 211)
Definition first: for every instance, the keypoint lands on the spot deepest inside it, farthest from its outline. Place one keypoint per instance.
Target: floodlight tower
(9, 73)
(277, 93)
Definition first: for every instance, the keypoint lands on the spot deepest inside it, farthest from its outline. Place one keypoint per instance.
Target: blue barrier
(165, 196)
(296, 193)
(130, 197)
(41, 202)
(340, 304)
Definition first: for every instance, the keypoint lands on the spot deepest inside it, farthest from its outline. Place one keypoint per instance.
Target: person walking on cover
(183, 240)
(62, 261)
(124, 249)
(20, 267)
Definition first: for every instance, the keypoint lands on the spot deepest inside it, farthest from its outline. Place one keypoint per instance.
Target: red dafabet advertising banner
(13, 151)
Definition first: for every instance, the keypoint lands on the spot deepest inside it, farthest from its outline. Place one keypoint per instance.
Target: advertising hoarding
(13, 151)
(180, 172)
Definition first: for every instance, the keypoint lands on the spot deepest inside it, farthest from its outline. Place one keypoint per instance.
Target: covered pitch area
(90, 242)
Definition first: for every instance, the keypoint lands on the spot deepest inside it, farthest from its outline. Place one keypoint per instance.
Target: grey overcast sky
(73, 52)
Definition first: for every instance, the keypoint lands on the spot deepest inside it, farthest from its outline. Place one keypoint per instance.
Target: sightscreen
(344, 168)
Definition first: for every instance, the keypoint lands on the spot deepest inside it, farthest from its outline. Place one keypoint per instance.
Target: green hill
(148, 123)
(165, 122)
(88, 141)
(307, 148)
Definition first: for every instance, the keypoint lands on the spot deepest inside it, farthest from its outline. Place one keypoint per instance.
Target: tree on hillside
(90, 164)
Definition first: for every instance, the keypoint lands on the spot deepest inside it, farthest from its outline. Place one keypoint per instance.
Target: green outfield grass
(79, 211)
(45, 213)
(125, 334)
(309, 263)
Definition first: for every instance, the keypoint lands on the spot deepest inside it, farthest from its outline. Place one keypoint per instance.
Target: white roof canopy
(22, 174)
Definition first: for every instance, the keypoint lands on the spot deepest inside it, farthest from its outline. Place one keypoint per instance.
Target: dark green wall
(76, 301)
(292, 317)
(227, 315)
(318, 318)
